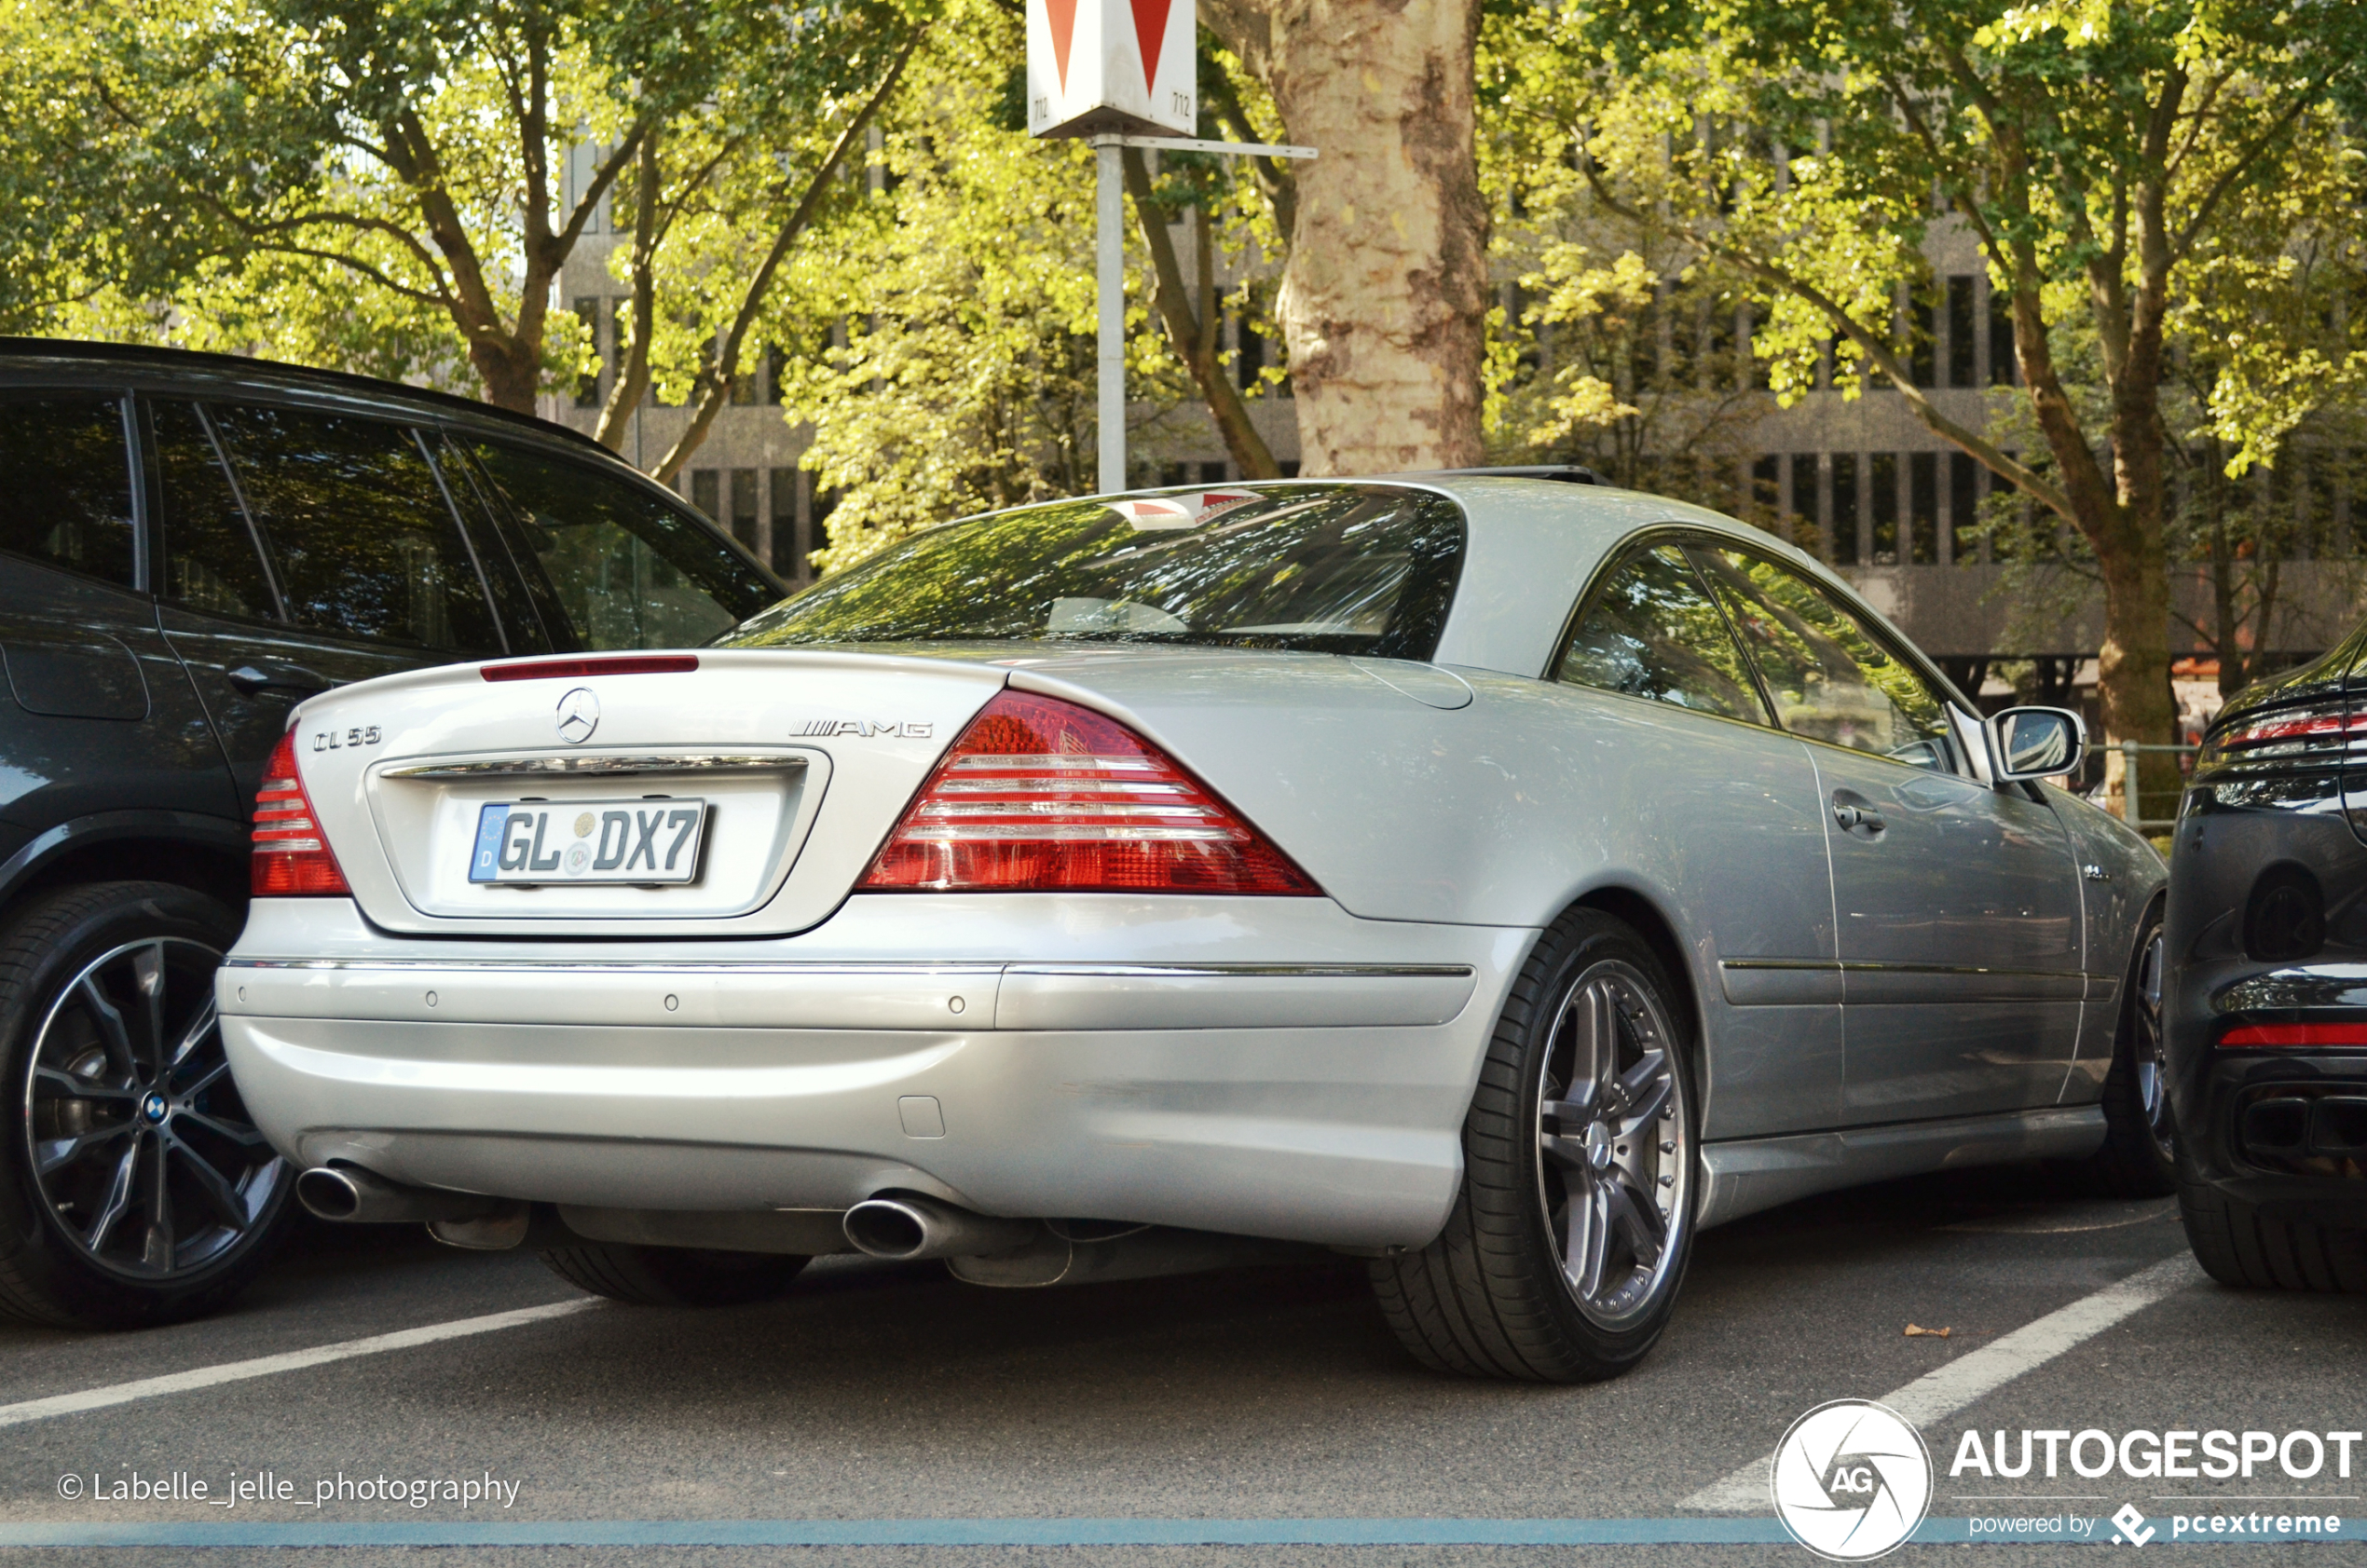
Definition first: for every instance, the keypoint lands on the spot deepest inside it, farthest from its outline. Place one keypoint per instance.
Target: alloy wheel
(1614, 1145)
(141, 1148)
(2147, 1055)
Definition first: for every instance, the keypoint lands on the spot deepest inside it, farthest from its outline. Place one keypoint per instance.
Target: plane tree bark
(1383, 303)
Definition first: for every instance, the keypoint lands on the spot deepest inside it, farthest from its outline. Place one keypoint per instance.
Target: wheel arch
(1638, 910)
(205, 853)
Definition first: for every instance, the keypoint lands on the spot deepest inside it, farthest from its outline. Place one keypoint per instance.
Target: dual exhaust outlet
(903, 1227)
(898, 1227)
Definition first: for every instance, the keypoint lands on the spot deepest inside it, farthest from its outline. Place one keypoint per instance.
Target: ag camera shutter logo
(1851, 1480)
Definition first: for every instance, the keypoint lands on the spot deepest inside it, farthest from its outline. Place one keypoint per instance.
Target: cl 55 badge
(332, 740)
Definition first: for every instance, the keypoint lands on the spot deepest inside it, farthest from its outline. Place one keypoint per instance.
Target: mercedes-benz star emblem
(579, 715)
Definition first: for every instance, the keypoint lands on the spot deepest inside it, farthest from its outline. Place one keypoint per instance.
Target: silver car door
(1736, 802)
(1956, 904)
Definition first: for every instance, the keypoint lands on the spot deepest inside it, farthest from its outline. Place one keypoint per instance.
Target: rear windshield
(1329, 569)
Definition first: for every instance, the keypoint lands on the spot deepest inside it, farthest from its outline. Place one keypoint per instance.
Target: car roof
(149, 367)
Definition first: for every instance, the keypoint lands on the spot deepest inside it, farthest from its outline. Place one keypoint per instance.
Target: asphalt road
(893, 1393)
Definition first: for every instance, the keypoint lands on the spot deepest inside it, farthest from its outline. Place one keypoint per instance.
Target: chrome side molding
(596, 767)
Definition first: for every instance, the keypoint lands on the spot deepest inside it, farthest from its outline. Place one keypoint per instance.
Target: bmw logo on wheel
(1851, 1480)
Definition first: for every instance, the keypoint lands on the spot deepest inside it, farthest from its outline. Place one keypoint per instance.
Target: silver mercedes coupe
(1500, 879)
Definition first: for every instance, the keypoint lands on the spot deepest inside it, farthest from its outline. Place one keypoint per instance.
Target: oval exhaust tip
(328, 1193)
(881, 1227)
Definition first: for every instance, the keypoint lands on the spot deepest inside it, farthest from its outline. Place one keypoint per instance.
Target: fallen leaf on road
(1914, 1332)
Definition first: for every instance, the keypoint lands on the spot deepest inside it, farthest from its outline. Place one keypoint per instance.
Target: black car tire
(1553, 1171)
(190, 1182)
(2139, 1156)
(2238, 1245)
(677, 1277)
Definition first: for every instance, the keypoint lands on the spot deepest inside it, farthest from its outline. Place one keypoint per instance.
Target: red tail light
(2258, 1036)
(1040, 795)
(292, 859)
(2310, 733)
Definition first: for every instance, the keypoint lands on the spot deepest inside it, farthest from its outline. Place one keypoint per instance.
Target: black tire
(134, 1188)
(1493, 1296)
(2139, 1156)
(2238, 1245)
(675, 1276)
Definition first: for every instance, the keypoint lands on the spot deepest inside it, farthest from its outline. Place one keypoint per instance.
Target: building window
(1920, 355)
(743, 510)
(704, 493)
(776, 364)
(789, 547)
(1964, 507)
(1922, 508)
(587, 385)
(1806, 532)
(1882, 474)
(2001, 340)
(1960, 330)
(1845, 509)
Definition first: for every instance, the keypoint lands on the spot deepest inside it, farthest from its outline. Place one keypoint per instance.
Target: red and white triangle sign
(1096, 66)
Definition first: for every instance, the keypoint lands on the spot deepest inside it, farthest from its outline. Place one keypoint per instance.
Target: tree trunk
(1384, 300)
(1194, 329)
(510, 367)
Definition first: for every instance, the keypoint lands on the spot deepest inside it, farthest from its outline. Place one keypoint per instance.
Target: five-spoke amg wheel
(144, 1191)
(2139, 1156)
(1567, 1245)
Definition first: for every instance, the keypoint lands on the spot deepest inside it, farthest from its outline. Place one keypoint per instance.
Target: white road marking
(267, 1366)
(1945, 1390)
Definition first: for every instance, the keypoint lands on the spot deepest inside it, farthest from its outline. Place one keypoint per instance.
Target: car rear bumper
(1265, 1067)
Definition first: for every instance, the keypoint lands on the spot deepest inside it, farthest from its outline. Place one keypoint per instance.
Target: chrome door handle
(1857, 814)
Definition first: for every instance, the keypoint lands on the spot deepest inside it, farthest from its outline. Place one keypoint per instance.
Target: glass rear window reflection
(624, 569)
(1334, 568)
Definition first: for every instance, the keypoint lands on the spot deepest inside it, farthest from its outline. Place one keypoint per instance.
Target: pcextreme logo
(1851, 1480)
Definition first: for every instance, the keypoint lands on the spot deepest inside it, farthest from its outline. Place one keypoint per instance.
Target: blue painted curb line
(1030, 1532)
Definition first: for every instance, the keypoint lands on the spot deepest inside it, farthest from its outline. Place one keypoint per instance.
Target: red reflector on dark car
(576, 668)
(2256, 1036)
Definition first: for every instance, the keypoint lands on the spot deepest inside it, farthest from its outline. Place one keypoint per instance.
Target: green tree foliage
(2142, 173)
(379, 183)
(950, 323)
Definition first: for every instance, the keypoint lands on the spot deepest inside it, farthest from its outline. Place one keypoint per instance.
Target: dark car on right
(2264, 1005)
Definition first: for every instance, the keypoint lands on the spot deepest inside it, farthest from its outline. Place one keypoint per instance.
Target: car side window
(65, 483)
(628, 571)
(213, 561)
(356, 523)
(1650, 630)
(1831, 676)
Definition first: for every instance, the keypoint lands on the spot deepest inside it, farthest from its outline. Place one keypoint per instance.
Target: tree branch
(725, 365)
(1195, 341)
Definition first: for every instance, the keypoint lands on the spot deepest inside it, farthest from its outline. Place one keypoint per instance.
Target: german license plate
(546, 841)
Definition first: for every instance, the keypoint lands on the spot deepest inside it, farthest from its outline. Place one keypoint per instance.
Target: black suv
(189, 545)
(2266, 1001)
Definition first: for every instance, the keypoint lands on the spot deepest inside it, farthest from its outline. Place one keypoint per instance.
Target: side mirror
(2035, 744)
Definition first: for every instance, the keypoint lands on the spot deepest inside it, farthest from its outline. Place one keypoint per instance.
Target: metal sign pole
(1109, 274)
(1109, 215)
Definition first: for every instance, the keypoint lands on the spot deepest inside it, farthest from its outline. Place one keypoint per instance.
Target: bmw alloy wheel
(141, 1148)
(1614, 1146)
